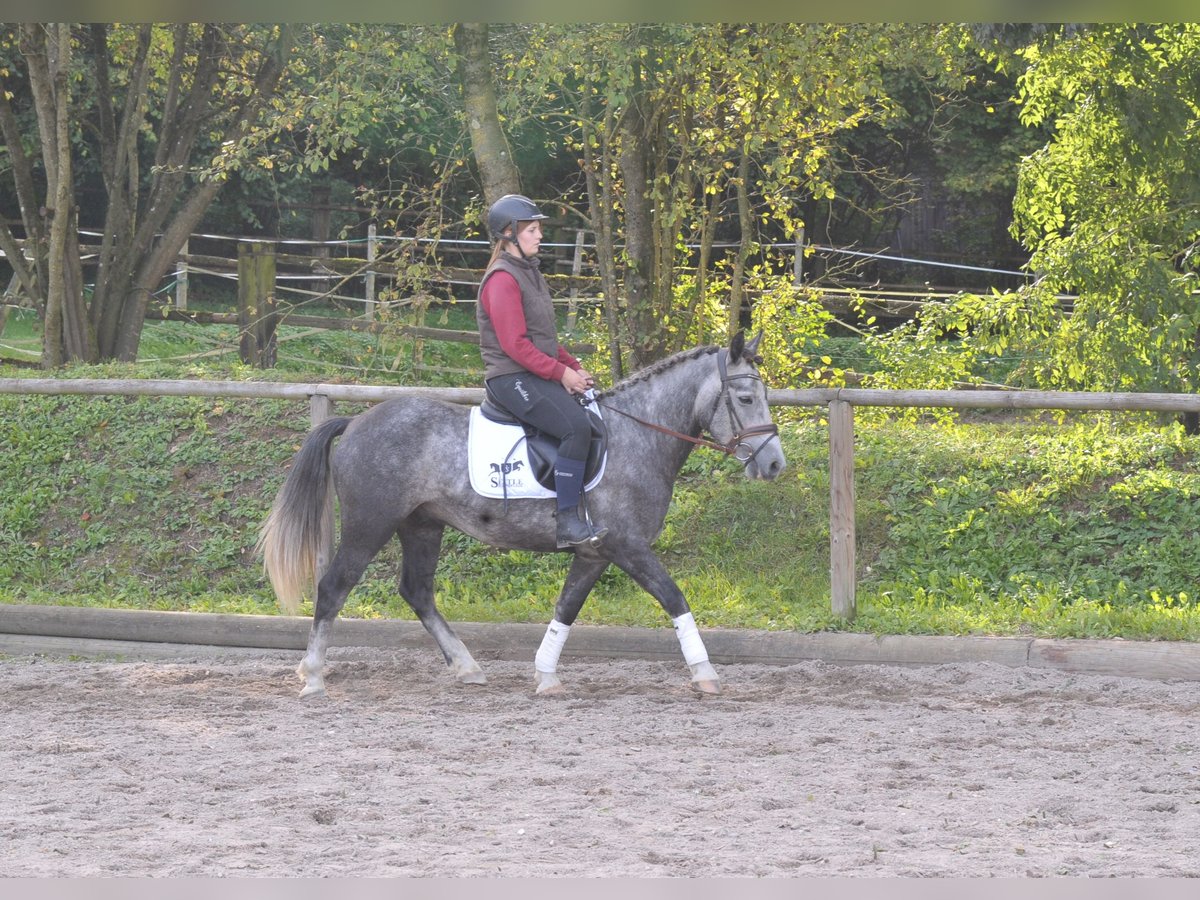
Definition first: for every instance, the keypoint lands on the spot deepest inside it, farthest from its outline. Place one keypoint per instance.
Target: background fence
(366, 274)
(840, 403)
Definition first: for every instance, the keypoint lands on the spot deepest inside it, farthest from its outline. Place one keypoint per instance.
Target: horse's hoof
(548, 684)
(475, 676)
(706, 686)
(312, 690)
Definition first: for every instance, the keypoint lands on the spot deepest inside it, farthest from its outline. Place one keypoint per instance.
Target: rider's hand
(575, 382)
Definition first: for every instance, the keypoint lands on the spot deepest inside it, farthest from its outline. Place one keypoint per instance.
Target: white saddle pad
(498, 460)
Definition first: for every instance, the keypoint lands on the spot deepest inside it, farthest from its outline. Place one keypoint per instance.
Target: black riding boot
(573, 527)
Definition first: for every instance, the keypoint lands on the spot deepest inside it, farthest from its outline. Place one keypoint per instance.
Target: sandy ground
(211, 766)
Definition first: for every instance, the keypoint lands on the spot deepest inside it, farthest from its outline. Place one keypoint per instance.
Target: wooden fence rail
(840, 403)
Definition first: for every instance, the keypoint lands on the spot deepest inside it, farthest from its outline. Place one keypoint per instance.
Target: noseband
(742, 432)
(738, 441)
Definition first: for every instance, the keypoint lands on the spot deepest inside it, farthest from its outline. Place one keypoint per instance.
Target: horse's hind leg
(422, 545)
(343, 574)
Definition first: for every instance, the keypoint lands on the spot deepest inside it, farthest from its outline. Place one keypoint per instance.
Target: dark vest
(539, 316)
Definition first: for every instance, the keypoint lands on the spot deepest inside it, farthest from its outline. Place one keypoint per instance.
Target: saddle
(542, 448)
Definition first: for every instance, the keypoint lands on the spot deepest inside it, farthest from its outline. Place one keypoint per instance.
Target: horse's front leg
(646, 569)
(581, 578)
(421, 545)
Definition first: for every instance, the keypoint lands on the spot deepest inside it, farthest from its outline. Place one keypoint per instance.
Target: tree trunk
(708, 230)
(119, 167)
(171, 210)
(65, 333)
(673, 181)
(745, 244)
(639, 226)
(148, 215)
(597, 172)
(492, 153)
(154, 264)
(32, 275)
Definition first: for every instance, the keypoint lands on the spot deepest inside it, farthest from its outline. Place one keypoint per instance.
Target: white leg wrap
(552, 644)
(689, 640)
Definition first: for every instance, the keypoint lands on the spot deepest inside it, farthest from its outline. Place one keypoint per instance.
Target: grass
(1085, 527)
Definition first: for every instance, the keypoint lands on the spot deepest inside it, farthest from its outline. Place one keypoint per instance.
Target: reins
(699, 441)
(738, 439)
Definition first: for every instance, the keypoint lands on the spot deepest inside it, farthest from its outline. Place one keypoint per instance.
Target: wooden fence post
(256, 304)
(321, 211)
(576, 268)
(320, 408)
(841, 509)
(370, 288)
(798, 260)
(181, 278)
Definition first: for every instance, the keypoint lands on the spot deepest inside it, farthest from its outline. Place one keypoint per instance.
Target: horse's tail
(296, 540)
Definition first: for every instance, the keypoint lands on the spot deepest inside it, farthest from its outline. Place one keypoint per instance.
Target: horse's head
(739, 416)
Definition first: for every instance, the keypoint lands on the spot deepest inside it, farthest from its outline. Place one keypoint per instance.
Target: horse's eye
(746, 401)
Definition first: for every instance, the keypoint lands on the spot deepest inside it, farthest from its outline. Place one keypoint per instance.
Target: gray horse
(401, 470)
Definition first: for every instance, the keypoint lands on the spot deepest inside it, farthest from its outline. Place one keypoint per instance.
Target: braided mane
(655, 369)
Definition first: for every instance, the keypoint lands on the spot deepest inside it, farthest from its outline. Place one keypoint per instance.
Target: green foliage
(136, 500)
(1077, 530)
(668, 112)
(968, 339)
(1084, 529)
(793, 323)
(1110, 206)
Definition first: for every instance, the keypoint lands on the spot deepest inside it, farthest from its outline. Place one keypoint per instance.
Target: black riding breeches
(547, 406)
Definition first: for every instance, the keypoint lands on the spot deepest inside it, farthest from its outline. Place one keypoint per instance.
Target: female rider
(526, 369)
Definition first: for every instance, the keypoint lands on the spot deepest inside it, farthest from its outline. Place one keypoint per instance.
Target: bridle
(738, 441)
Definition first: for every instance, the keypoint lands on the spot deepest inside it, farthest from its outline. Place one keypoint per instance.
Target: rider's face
(529, 237)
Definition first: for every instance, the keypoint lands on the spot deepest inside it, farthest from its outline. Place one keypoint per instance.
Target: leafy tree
(386, 112)
(1110, 206)
(685, 132)
(162, 114)
(492, 153)
(951, 145)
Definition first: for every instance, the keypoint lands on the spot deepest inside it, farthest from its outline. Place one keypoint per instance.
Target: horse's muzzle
(764, 462)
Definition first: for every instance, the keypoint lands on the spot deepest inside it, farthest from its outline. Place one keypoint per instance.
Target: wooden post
(798, 260)
(320, 408)
(841, 509)
(369, 312)
(256, 304)
(10, 295)
(181, 278)
(320, 234)
(576, 268)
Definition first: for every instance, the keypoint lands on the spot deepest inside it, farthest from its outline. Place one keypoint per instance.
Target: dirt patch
(212, 766)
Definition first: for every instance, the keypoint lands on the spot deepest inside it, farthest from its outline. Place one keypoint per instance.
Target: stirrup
(574, 530)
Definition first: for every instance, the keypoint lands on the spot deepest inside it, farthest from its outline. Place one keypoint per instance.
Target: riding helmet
(508, 211)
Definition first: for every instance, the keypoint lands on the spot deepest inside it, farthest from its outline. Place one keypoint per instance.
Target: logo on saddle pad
(502, 470)
(505, 463)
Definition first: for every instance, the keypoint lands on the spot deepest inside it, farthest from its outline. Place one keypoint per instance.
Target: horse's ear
(751, 351)
(737, 346)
